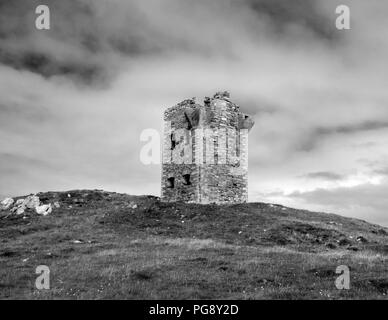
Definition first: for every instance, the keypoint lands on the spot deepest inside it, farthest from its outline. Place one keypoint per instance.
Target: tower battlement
(205, 151)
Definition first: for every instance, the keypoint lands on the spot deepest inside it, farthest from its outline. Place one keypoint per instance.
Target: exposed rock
(19, 207)
(79, 202)
(56, 204)
(44, 209)
(335, 223)
(6, 203)
(361, 239)
(19, 202)
(22, 205)
(27, 204)
(31, 202)
(132, 205)
(77, 241)
(20, 210)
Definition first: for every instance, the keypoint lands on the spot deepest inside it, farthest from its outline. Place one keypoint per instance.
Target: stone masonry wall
(205, 152)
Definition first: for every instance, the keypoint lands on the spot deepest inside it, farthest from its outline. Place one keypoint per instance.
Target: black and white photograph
(193, 150)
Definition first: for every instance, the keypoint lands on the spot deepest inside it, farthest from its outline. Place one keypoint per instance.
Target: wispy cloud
(367, 201)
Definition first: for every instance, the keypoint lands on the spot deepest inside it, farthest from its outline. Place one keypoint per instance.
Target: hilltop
(104, 245)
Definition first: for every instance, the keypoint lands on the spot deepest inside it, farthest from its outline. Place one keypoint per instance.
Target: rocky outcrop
(6, 203)
(31, 203)
(44, 209)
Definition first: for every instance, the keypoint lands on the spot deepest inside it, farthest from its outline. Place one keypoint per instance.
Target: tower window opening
(171, 182)
(173, 142)
(186, 178)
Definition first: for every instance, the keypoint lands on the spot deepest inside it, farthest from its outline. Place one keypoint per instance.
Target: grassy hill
(102, 245)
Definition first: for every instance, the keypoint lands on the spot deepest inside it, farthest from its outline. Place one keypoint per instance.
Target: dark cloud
(316, 135)
(382, 171)
(47, 66)
(74, 28)
(354, 128)
(23, 47)
(98, 34)
(324, 175)
(304, 13)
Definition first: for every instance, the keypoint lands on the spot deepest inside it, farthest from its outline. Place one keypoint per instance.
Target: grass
(187, 251)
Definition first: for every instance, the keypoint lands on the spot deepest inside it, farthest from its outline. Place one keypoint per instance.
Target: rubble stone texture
(6, 203)
(31, 202)
(205, 152)
(44, 209)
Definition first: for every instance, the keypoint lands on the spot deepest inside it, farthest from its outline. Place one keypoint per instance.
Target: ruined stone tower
(205, 151)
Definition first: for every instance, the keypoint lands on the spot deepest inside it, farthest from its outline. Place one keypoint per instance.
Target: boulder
(20, 210)
(44, 209)
(6, 203)
(132, 205)
(31, 202)
(19, 202)
(19, 207)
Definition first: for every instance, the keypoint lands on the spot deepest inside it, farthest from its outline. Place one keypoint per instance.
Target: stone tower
(205, 151)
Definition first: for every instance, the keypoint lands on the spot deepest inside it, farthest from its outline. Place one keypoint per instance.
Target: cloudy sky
(74, 99)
